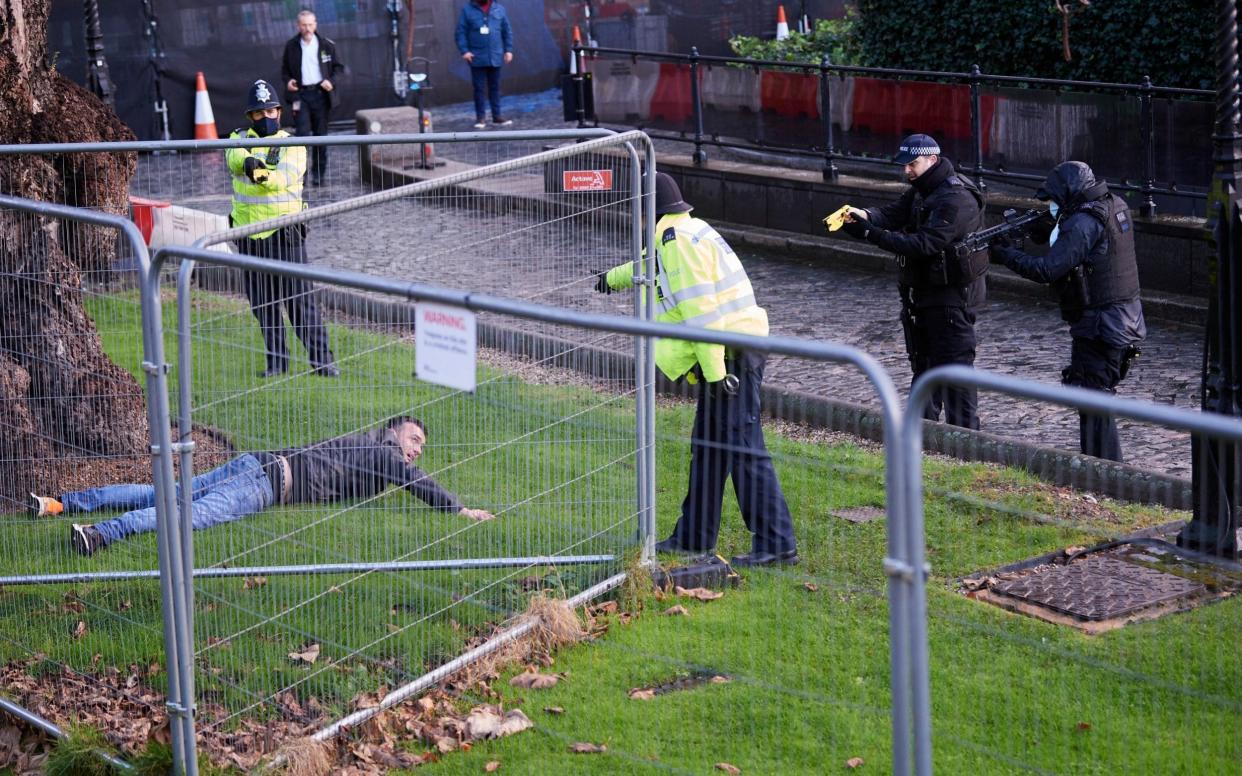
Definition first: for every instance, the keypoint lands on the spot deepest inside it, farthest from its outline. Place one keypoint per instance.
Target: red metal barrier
(795, 95)
(906, 107)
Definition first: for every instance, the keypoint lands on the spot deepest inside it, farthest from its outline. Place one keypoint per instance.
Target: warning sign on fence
(444, 345)
(587, 180)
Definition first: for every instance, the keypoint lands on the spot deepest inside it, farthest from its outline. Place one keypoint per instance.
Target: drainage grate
(860, 514)
(1098, 588)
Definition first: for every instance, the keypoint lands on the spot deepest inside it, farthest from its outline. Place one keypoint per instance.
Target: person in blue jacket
(485, 41)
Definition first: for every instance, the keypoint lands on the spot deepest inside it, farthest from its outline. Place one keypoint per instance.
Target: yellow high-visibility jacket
(699, 282)
(279, 195)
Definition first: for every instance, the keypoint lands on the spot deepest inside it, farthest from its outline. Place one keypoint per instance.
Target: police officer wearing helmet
(701, 282)
(1092, 268)
(267, 183)
(940, 290)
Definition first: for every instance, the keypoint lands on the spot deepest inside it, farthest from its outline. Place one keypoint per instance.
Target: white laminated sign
(445, 344)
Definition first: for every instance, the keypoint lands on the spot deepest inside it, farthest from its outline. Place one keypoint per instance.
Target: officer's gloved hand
(857, 228)
(601, 283)
(1040, 229)
(997, 248)
(251, 164)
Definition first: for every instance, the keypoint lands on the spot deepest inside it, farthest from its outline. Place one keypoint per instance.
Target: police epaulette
(669, 235)
(240, 132)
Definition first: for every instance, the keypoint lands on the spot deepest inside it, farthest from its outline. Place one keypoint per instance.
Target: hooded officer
(1092, 268)
(267, 183)
(701, 282)
(939, 290)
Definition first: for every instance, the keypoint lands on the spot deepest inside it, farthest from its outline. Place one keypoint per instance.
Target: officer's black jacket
(354, 466)
(949, 213)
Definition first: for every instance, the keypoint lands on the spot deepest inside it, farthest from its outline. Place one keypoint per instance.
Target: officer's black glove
(601, 283)
(251, 164)
(858, 228)
(1040, 229)
(996, 251)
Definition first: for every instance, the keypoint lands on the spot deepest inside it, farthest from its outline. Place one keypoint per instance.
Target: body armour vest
(945, 268)
(1106, 276)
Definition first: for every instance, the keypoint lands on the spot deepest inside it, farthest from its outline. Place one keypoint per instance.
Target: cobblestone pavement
(553, 262)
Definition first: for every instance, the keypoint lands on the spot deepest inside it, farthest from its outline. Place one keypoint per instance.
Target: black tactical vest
(1108, 278)
(946, 268)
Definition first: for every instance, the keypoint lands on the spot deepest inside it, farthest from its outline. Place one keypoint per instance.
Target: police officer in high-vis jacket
(940, 290)
(1092, 267)
(701, 282)
(267, 182)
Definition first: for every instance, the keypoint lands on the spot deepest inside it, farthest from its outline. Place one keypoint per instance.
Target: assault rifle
(1014, 222)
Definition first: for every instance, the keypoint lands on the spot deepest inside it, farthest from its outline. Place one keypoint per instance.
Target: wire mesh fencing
(1076, 622)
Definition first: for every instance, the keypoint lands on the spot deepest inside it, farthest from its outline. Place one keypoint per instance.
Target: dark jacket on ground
(1083, 241)
(353, 466)
(935, 212)
(489, 50)
(291, 65)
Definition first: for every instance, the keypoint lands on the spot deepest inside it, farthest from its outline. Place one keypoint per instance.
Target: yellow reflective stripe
(710, 287)
(706, 319)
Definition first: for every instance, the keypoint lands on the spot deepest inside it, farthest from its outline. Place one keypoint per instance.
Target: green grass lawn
(804, 649)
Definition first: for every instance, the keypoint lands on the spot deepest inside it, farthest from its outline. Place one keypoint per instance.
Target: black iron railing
(1146, 184)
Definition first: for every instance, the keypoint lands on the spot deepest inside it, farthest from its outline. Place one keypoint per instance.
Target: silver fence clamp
(730, 384)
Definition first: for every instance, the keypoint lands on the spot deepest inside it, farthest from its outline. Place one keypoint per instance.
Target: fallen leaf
(534, 680)
(676, 610)
(700, 593)
(553, 710)
(492, 767)
(79, 630)
(728, 768)
(585, 748)
(1084, 725)
(718, 679)
(484, 722)
(446, 744)
(308, 655)
(641, 694)
(1074, 550)
(126, 604)
(854, 762)
(812, 587)
(249, 583)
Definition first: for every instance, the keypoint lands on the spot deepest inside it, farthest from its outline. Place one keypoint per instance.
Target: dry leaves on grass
(533, 680)
(811, 587)
(641, 694)
(553, 710)
(729, 768)
(676, 611)
(79, 630)
(583, 747)
(250, 583)
(484, 722)
(306, 655)
(854, 762)
(698, 593)
(492, 766)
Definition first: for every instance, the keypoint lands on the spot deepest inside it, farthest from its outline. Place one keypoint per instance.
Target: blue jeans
(235, 490)
(486, 78)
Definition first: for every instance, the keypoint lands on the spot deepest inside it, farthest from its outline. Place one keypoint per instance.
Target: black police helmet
(914, 146)
(668, 196)
(262, 95)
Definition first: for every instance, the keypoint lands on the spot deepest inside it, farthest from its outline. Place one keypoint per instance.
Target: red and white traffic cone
(782, 26)
(204, 119)
(573, 55)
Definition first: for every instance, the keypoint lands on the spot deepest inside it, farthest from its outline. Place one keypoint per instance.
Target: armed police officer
(267, 182)
(700, 282)
(940, 290)
(1092, 268)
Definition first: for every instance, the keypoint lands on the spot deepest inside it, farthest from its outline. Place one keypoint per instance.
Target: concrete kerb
(1060, 467)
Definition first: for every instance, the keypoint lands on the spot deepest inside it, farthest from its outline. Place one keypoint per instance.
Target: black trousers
(1095, 364)
(943, 335)
(313, 120)
(269, 293)
(728, 442)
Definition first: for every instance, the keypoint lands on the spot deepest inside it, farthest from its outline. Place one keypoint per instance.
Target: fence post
(976, 125)
(700, 156)
(825, 101)
(579, 84)
(1148, 121)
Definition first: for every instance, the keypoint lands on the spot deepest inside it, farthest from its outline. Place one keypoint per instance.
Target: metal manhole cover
(860, 514)
(1098, 588)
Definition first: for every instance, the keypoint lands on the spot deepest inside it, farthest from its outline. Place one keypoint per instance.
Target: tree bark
(61, 397)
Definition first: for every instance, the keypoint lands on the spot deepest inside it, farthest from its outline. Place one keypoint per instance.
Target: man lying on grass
(353, 466)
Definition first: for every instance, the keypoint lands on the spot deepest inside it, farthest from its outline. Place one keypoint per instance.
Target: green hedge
(1111, 40)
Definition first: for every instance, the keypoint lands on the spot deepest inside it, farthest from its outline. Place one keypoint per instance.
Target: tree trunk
(61, 397)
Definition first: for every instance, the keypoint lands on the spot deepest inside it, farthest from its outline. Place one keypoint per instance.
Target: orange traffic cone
(782, 26)
(204, 119)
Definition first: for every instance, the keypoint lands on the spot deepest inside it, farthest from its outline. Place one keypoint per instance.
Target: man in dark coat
(485, 40)
(350, 467)
(1092, 267)
(940, 290)
(309, 68)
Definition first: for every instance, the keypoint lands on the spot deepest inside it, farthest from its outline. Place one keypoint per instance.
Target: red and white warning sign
(587, 180)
